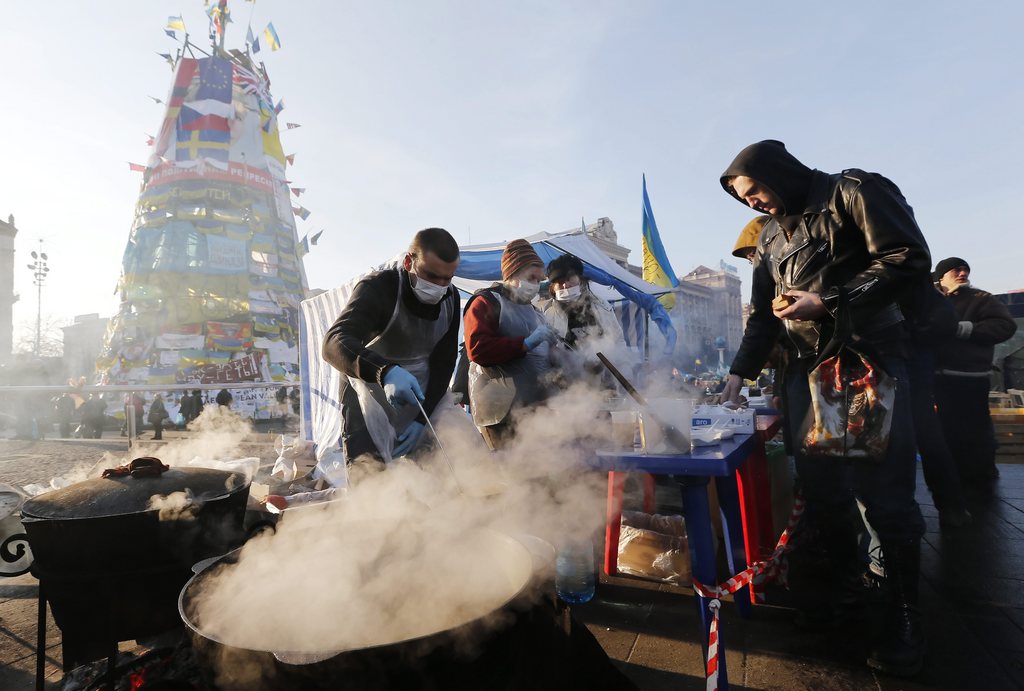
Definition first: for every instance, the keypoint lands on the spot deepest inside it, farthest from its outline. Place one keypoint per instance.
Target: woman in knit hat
(508, 344)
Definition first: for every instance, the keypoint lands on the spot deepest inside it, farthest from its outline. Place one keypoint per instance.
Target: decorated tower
(212, 273)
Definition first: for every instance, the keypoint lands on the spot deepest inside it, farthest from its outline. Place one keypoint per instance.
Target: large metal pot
(437, 659)
(112, 553)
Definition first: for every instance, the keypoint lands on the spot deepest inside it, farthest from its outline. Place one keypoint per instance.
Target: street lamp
(39, 271)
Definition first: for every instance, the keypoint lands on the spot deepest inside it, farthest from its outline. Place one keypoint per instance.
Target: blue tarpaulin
(482, 263)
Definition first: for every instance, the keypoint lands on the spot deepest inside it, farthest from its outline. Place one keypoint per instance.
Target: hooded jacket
(851, 230)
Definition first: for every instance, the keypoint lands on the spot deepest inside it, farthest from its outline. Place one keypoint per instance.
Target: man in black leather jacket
(855, 231)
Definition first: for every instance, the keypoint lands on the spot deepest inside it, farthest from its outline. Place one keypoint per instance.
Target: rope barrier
(774, 568)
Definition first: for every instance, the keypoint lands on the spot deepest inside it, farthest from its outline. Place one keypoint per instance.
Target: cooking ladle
(673, 436)
(487, 491)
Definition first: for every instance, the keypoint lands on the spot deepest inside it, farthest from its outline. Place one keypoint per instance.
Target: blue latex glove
(401, 387)
(542, 334)
(408, 439)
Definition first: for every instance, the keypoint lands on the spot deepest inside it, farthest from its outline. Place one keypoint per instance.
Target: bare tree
(51, 338)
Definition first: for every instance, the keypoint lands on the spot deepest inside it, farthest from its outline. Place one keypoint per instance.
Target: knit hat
(947, 265)
(748, 237)
(518, 255)
(564, 267)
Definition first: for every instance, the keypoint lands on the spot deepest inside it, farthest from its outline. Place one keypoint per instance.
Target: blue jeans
(886, 487)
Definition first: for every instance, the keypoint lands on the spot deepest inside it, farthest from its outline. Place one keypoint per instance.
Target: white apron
(493, 390)
(408, 341)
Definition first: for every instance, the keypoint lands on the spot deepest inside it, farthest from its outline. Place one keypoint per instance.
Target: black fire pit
(112, 553)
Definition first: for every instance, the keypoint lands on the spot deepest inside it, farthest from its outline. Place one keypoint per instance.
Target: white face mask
(567, 294)
(524, 290)
(428, 293)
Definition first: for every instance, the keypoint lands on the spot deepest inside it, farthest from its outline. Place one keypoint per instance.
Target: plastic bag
(852, 400)
(290, 450)
(654, 546)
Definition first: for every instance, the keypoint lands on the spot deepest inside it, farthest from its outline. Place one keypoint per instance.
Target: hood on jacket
(770, 164)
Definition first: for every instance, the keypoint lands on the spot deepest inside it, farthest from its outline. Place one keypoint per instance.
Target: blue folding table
(693, 471)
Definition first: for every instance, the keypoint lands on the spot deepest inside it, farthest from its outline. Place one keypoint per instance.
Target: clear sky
(500, 119)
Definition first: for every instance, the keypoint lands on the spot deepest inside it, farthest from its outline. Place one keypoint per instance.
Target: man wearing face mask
(396, 342)
(508, 344)
(574, 312)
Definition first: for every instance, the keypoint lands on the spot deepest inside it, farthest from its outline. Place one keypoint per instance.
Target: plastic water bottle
(574, 572)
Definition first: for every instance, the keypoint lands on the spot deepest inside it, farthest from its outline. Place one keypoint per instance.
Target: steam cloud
(413, 549)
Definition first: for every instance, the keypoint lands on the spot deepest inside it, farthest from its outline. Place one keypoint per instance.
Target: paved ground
(972, 598)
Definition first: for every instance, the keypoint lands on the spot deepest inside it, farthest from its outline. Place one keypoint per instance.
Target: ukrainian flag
(272, 39)
(176, 24)
(657, 269)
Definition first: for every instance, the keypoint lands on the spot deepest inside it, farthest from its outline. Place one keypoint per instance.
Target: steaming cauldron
(112, 553)
(461, 656)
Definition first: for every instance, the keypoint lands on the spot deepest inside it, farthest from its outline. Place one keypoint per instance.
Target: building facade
(709, 304)
(83, 340)
(7, 296)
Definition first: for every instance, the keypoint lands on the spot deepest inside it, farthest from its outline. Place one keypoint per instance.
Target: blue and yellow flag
(271, 35)
(657, 269)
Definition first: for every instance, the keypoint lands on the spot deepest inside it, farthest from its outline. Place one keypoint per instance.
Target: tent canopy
(480, 265)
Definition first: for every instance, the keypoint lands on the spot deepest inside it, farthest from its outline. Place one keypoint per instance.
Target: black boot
(900, 651)
(843, 577)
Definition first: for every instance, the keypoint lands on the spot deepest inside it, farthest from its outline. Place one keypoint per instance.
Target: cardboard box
(740, 421)
(654, 546)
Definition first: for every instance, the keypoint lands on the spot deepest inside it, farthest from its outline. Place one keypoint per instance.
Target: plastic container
(677, 412)
(575, 572)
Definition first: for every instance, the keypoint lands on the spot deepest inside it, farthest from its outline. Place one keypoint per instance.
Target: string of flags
(220, 16)
(301, 211)
(302, 249)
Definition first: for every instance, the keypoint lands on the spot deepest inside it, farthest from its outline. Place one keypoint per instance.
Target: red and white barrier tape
(774, 568)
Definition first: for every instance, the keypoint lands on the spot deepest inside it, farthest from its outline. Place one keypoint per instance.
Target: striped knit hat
(518, 255)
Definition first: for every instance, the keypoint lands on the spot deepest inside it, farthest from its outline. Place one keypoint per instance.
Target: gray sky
(500, 119)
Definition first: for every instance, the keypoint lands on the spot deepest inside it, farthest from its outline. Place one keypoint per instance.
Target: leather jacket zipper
(863, 288)
(822, 248)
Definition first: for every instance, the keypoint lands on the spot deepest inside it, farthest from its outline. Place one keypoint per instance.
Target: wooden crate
(1009, 426)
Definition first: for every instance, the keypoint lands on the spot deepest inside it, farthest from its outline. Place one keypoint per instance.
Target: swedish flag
(656, 267)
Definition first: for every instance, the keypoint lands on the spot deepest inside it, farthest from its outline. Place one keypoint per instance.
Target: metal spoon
(447, 458)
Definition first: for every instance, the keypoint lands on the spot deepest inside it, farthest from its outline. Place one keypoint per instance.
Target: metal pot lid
(132, 492)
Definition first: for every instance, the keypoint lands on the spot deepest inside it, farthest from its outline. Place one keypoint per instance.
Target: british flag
(250, 83)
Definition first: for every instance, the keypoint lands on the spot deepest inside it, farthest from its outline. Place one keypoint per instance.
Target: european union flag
(214, 80)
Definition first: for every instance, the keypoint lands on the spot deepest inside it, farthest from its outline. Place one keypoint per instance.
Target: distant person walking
(64, 408)
(185, 408)
(281, 395)
(224, 398)
(157, 415)
(94, 415)
(197, 405)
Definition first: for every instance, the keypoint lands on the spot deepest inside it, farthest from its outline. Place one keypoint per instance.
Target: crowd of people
(826, 249)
